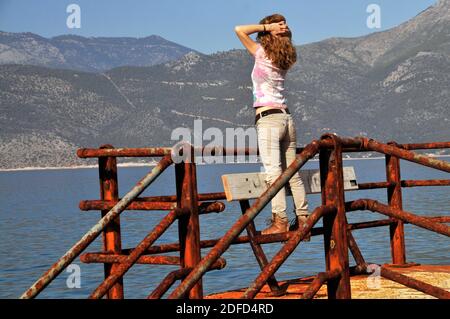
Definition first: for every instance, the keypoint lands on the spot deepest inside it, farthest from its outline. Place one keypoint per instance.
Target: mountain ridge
(93, 54)
(336, 86)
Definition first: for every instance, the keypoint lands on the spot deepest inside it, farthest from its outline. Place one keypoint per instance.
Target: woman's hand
(277, 27)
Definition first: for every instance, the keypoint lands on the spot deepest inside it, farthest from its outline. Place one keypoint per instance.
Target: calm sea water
(40, 220)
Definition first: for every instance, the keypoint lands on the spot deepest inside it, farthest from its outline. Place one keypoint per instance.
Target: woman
(274, 54)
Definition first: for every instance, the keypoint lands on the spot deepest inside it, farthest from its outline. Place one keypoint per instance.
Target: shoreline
(37, 168)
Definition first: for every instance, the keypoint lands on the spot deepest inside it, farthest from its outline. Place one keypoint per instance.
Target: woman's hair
(279, 49)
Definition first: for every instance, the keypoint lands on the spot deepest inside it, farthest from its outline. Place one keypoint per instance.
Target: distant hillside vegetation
(391, 85)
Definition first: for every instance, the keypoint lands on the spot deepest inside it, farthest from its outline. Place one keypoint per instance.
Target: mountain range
(94, 54)
(390, 85)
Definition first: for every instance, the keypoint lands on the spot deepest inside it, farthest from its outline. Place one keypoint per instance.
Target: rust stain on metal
(124, 152)
(86, 205)
(111, 259)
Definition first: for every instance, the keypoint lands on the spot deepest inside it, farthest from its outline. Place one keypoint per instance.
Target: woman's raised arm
(243, 32)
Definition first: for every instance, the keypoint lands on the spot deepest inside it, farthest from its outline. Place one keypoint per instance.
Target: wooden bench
(251, 185)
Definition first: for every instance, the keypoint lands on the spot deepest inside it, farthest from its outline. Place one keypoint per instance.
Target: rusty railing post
(189, 226)
(394, 193)
(109, 190)
(335, 226)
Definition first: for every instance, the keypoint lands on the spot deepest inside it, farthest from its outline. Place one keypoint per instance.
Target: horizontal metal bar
(353, 146)
(375, 206)
(392, 150)
(124, 152)
(425, 146)
(89, 258)
(414, 283)
(173, 198)
(349, 145)
(93, 205)
(430, 182)
(353, 143)
(162, 151)
(374, 185)
(406, 183)
(87, 205)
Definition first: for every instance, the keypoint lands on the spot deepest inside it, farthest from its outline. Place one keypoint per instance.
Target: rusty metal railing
(187, 206)
(92, 234)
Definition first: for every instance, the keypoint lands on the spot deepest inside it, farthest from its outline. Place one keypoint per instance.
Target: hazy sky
(204, 25)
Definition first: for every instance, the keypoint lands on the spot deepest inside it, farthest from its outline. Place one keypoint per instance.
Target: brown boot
(300, 220)
(279, 225)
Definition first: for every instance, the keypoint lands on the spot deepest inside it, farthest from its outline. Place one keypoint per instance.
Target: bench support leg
(258, 251)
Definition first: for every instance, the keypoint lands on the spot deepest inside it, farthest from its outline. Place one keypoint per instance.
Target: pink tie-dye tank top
(268, 82)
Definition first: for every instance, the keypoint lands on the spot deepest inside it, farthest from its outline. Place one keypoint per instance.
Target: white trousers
(277, 148)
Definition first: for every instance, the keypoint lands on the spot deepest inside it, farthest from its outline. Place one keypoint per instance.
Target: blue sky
(204, 25)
